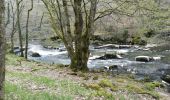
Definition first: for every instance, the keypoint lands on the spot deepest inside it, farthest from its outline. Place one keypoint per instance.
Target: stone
(114, 46)
(110, 56)
(144, 58)
(35, 54)
(166, 78)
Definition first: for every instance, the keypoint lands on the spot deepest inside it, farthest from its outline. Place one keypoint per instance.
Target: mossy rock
(105, 83)
(94, 86)
(95, 77)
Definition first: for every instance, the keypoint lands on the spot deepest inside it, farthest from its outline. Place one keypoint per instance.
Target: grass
(152, 85)
(58, 88)
(65, 86)
(105, 83)
(15, 92)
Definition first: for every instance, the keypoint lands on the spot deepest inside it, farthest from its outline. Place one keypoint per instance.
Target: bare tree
(19, 26)
(2, 48)
(13, 14)
(28, 16)
(41, 20)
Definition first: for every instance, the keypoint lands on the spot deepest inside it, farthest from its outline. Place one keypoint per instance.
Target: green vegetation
(65, 86)
(17, 92)
(102, 88)
(152, 85)
(105, 83)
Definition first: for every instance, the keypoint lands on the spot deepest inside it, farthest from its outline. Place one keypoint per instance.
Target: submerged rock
(144, 58)
(35, 54)
(113, 67)
(110, 56)
(113, 46)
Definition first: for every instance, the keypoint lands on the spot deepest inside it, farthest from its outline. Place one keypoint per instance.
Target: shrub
(138, 40)
(149, 33)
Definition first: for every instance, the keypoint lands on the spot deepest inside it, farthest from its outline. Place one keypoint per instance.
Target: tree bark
(2, 48)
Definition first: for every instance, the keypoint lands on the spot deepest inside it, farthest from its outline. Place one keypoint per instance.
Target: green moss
(105, 83)
(94, 86)
(121, 80)
(140, 90)
(153, 94)
(135, 89)
(95, 77)
(152, 85)
(107, 95)
(114, 88)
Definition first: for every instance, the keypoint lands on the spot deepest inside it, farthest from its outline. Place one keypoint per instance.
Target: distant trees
(15, 10)
(2, 48)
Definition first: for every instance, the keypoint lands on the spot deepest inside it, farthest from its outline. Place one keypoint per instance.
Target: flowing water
(153, 69)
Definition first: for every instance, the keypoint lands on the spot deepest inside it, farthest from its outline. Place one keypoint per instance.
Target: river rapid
(141, 70)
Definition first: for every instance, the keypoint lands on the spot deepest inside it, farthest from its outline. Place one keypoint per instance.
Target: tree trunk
(2, 48)
(19, 27)
(12, 43)
(28, 16)
(77, 43)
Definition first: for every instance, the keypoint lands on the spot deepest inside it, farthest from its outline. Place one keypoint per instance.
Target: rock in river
(35, 54)
(144, 58)
(166, 78)
(110, 56)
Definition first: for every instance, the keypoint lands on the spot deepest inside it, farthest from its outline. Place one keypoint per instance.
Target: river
(141, 70)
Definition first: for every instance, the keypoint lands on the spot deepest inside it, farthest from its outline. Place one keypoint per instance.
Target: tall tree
(28, 16)
(2, 47)
(86, 12)
(76, 43)
(19, 26)
(13, 13)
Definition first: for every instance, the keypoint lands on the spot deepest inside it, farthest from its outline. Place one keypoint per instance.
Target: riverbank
(27, 80)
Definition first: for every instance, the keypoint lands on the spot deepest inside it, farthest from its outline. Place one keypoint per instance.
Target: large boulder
(35, 54)
(110, 56)
(144, 58)
(166, 78)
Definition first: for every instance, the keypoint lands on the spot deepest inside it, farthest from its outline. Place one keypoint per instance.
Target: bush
(149, 33)
(138, 40)
(121, 37)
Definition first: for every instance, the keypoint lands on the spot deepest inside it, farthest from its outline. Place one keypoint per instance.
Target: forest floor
(28, 80)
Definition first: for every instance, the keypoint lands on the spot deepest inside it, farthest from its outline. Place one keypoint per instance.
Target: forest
(84, 49)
